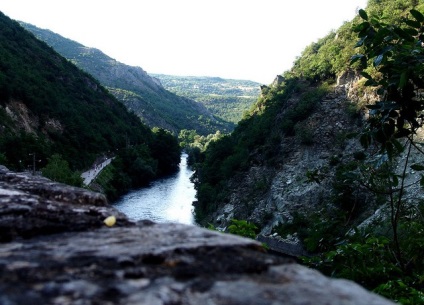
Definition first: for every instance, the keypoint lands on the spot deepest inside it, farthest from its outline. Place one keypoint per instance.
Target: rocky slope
(56, 249)
(270, 196)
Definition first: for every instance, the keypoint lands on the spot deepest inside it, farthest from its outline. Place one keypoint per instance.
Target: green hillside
(49, 107)
(145, 96)
(227, 99)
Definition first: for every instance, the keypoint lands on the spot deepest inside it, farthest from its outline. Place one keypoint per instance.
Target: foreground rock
(31, 206)
(48, 260)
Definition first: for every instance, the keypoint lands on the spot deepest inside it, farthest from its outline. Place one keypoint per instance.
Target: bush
(58, 170)
(243, 228)
(304, 134)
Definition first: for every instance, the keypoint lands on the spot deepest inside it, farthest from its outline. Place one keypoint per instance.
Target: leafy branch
(392, 60)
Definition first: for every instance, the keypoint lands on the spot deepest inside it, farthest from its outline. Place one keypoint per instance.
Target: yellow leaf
(110, 221)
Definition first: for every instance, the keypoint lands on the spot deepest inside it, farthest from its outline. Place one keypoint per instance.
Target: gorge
(330, 157)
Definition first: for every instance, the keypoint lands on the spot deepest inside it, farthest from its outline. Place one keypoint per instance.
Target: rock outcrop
(55, 249)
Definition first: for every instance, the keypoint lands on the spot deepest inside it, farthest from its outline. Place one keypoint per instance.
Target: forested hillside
(228, 99)
(51, 110)
(330, 157)
(156, 106)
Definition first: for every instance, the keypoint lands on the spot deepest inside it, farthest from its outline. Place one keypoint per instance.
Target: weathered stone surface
(31, 205)
(161, 264)
(69, 256)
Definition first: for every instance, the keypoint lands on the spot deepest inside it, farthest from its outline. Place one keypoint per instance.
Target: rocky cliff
(271, 194)
(306, 184)
(56, 249)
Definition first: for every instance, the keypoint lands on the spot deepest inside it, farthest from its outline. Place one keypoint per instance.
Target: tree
(57, 169)
(186, 137)
(392, 59)
(166, 150)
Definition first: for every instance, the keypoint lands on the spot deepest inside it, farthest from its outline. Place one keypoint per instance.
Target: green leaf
(373, 107)
(364, 15)
(413, 23)
(417, 15)
(360, 42)
(417, 167)
(402, 34)
(398, 145)
(378, 60)
(366, 75)
(361, 29)
(403, 79)
(355, 58)
(389, 149)
(369, 82)
(411, 32)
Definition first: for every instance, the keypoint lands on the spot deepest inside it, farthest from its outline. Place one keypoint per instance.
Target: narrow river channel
(165, 200)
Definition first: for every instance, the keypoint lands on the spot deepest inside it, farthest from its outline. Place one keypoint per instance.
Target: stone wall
(56, 249)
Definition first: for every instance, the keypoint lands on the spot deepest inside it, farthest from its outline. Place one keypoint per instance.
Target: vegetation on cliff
(255, 140)
(383, 255)
(392, 61)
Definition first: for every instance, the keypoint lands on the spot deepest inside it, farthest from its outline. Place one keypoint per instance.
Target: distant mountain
(228, 99)
(144, 95)
(49, 106)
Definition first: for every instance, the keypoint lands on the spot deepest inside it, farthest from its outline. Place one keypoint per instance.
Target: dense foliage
(331, 54)
(134, 167)
(57, 109)
(392, 57)
(58, 170)
(194, 144)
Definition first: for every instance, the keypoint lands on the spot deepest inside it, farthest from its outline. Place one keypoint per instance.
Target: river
(165, 200)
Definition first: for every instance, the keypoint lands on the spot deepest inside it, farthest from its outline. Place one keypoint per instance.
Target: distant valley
(170, 102)
(227, 99)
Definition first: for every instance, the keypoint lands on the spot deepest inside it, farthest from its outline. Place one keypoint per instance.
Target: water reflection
(166, 200)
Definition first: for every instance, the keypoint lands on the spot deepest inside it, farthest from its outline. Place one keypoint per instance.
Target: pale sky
(239, 39)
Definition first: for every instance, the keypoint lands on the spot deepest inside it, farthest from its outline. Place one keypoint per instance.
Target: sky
(237, 39)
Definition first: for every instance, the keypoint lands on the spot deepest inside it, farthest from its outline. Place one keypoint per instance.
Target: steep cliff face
(269, 195)
(307, 180)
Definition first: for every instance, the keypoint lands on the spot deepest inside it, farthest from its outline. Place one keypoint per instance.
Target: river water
(165, 200)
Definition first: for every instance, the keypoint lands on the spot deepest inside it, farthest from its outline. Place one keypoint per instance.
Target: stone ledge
(161, 264)
(33, 205)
